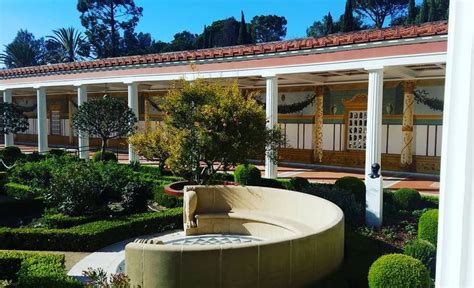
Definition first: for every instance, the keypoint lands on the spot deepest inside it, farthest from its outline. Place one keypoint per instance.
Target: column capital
(319, 90)
(38, 87)
(130, 82)
(374, 68)
(409, 86)
(78, 85)
(269, 75)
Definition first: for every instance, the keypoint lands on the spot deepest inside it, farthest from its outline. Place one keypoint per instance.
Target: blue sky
(162, 18)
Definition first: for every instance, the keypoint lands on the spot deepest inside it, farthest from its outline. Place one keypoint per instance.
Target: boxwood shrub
(19, 191)
(61, 221)
(91, 236)
(247, 174)
(407, 199)
(14, 207)
(428, 226)
(107, 156)
(424, 251)
(299, 183)
(398, 271)
(10, 155)
(353, 185)
(33, 269)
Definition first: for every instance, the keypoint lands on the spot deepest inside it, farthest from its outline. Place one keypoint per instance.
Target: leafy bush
(268, 182)
(91, 236)
(33, 269)
(247, 174)
(134, 197)
(19, 191)
(11, 154)
(353, 211)
(398, 271)
(114, 177)
(168, 201)
(34, 157)
(428, 226)
(423, 251)
(406, 199)
(3, 181)
(299, 183)
(60, 221)
(13, 207)
(353, 185)
(76, 190)
(106, 156)
(57, 152)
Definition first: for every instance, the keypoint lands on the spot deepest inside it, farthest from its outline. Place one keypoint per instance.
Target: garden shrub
(3, 181)
(353, 185)
(60, 221)
(34, 157)
(268, 182)
(134, 197)
(76, 190)
(11, 154)
(247, 174)
(19, 191)
(353, 211)
(299, 183)
(428, 226)
(406, 199)
(14, 207)
(57, 152)
(167, 201)
(107, 156)
(423, 251)
(91, 236)
(114, 177)
(398, 271)
(37, 174)
(33, 269)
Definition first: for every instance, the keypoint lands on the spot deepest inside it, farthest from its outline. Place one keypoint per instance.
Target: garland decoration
(294, 107)
(422, 97)
(153, 104)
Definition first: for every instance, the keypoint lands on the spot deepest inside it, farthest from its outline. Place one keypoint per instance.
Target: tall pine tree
(432, 14)
(204, 37)
(348, 20)
(411, 17)
(329, 24)
(243, 32)
(424, 11)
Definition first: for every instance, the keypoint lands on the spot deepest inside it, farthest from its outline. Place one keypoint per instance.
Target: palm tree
(72, 42)
(23, 51)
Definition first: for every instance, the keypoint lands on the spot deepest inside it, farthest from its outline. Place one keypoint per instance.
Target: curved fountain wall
(302, 241)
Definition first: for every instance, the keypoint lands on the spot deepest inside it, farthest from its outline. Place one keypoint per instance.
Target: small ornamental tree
(106, 118)
(212, 125)
(151, 143)
(12, 119)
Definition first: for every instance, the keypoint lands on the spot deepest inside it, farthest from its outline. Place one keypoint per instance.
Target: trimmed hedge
(353, 185)
(247, 174)
(299, 183)
(33, 269)
(428, 226)
(3, 181)
(10, 155)
(424, 251)
(19, 191)
(406, 199)
(60, 221)
(91, 236)
(108, 156)
(15, 207)
(398, 271)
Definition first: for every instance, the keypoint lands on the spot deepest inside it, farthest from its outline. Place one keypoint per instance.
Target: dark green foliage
(34, 157)
(166, 200)
(3, 181)
(106, 156)
(57, 152)
(11, 154)
(91, 236)
(424, 12)
(378, 10)
(13, 207)
(244, 37)
(353, 211)
(267, 28)
(33, 270)
(12, 120)
(23, 51)
(107, 117)
(60, 221)
(134, 197)
(19, 191)
(428, 226)
(398, 271)
(406, 199)
(348, 18)
(423, 251)
(247, 174)
(71, 44)
(268, 182)
(114, 177)
(76, 190)
(412, 11)
(299, 183)
(353, 185)
(330, 29)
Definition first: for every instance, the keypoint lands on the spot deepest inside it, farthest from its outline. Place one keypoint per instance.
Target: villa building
(366, 85)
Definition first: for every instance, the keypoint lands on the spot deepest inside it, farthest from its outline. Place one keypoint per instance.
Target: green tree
(182, 41)
(433, 11)
(348, 18)
(23, 51)
(12, 119)
(379, 10)
(214, 124)
(151, 143)
(324, 27)
(411, 17)
(104, 20)
(443, 9)
(267, 28)
(424, 12)
(72, 44)
(105, 117)
(329, 24)
(243, 31)
(136, 43)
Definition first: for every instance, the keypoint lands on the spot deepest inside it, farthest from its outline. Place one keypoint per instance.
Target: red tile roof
(357, 37)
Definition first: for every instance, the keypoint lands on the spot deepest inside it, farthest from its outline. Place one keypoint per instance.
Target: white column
(7, 98)
(42, 122)
(455, 257)
(133, 104)
(271, 104)
(374, 185)
(83, 140)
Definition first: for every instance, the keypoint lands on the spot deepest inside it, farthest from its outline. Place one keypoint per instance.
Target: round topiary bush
(406, 199)
(422, 250)
(108, 156)
(299, 183)
(247, 174)
(11, 154)
(428, 226)
(398, 271)
(353, 185)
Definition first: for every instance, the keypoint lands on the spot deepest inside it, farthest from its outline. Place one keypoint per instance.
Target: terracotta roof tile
(427, 29)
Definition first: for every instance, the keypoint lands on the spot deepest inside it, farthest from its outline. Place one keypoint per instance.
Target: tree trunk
(102, 149)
